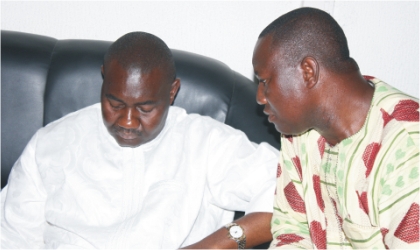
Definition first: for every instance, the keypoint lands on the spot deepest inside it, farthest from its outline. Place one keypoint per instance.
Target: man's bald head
(310, 32)
(139, 85)
(142, 51)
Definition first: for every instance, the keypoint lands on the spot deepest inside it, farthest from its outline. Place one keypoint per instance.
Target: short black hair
(310, 32)
(144, 51)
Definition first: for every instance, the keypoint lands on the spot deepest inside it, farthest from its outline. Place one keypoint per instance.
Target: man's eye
(146, 109)
(116, 105)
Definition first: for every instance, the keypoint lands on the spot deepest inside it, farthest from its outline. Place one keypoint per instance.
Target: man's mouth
(127, 134)
(270, 116)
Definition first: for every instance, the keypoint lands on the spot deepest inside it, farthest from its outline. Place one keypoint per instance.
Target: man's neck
(347, 108)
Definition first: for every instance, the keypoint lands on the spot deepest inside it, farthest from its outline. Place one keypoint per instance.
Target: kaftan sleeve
(23, 201)
(289, 225)
(241, 174)
(263, 176)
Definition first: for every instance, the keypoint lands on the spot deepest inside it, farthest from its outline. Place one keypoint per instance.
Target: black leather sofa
(43, 79)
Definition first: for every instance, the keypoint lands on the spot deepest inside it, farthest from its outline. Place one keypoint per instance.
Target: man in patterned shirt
(348, 167)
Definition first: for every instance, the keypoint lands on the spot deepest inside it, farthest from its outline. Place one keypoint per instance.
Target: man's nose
(260, 95)
(129, 119)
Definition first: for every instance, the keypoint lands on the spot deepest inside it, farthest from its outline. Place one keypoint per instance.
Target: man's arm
(257, 231)
(241, 177)
(23, 201)
(289, 228)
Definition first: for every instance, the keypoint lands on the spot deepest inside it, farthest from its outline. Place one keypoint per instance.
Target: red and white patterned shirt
(362, 192)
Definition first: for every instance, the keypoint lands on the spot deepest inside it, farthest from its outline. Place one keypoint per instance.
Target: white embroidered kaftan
(75, 187)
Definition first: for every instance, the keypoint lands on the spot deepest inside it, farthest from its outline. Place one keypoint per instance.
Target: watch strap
(241, 243)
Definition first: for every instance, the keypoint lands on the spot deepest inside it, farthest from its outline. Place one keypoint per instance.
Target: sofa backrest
(43, 79)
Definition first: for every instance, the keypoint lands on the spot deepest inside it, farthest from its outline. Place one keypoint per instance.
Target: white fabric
(75, 187)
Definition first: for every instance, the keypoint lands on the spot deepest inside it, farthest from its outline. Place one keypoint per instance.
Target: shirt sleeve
(23, 200)
(289, 226)
(241, 174)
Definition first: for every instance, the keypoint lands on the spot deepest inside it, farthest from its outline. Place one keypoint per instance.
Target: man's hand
(257, 231)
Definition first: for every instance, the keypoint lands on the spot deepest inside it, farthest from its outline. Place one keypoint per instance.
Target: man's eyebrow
(109, 96)
(146, 103)
(149, 102)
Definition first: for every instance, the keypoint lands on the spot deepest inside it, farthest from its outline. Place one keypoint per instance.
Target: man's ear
(310, 70)
(174, 89)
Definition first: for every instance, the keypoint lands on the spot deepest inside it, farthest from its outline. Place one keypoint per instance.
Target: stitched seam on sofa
(46, 82)
(231, 96)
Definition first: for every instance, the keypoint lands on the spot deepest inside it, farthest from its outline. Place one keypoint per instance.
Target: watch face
(236, 231)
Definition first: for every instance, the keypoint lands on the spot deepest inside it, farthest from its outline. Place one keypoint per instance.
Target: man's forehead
(260, 45)
(264, 54)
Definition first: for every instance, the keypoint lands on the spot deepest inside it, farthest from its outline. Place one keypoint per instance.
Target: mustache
(119, 129)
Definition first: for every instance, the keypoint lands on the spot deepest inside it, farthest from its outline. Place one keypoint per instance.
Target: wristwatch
(237, 234)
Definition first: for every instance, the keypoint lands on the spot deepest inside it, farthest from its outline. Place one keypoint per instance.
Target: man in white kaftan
(135, 172)
(72, 190)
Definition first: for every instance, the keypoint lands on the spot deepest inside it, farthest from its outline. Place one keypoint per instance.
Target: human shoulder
(399, 111)
(182, 120)
(391, 135)
(392, 100)
(67, 130)
(87, 116)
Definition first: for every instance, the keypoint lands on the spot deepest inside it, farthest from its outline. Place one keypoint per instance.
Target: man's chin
(291, 134)
(288, 131)
(131, 143)
(278, 128)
